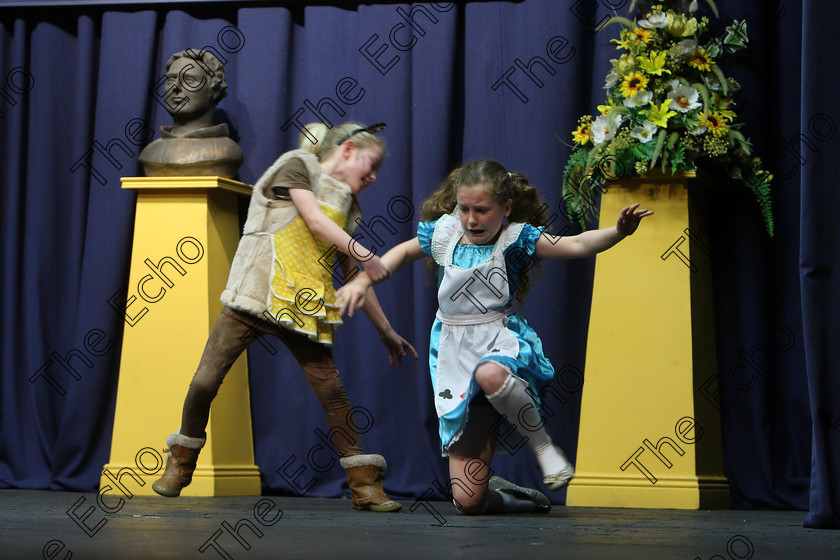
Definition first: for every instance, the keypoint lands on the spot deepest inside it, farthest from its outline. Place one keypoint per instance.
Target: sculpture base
(648, 437)
(185, 235)
(230, 480)
(690, 492)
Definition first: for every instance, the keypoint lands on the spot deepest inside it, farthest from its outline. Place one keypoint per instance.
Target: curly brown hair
(527, 206)
(215, 69)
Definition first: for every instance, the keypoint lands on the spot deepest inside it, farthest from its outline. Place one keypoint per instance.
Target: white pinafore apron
(473, 306)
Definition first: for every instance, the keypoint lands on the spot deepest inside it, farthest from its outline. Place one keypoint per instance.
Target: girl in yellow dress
(302, 214)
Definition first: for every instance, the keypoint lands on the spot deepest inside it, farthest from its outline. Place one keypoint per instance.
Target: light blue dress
(529, 363)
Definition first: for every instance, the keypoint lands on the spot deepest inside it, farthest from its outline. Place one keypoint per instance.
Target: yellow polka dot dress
(301, 295)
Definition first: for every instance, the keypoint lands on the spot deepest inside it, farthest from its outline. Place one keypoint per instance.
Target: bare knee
(490, 377)
(468, 504)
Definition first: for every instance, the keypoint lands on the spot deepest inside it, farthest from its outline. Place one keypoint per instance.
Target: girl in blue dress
(482, 229)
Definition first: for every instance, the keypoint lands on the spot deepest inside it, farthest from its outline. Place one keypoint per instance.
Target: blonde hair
(327, 139)
(527, 205)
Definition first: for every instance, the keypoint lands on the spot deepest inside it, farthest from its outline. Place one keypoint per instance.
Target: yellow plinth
(185, 235)
(648, 437)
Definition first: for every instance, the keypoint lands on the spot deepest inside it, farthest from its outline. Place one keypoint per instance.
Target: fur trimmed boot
(365, 474)
(180, 464)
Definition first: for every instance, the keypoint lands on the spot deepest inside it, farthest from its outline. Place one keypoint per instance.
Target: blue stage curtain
(761, 361)
(80, 79)
(819, 263)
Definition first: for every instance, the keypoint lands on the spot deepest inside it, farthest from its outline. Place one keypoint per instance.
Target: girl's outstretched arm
(594, 241)
(396, 345)
(351, 296)
(331, 232)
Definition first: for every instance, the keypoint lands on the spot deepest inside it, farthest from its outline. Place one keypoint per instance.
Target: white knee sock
(513, 401)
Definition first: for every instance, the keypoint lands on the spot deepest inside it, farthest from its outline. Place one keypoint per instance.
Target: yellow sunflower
(642, 34)
(700, 60)
(581, 134)
(633, 84)
(714, 123)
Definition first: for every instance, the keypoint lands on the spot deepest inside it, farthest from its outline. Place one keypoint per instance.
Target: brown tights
(231, 334)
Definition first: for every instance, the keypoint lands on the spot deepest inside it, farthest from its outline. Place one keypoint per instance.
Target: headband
(372, 129)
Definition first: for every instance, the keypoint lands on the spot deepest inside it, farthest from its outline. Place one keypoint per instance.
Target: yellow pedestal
(185, 235)
(648, 438)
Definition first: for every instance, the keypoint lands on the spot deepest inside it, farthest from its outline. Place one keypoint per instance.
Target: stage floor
(35, 524)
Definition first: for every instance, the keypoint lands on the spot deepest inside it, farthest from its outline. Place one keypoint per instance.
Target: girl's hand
(376, 270)
(397, 346)
(350, 297)
(629, 219)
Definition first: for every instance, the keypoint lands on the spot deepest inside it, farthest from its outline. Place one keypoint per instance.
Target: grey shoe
(539, 499)
(560, 479)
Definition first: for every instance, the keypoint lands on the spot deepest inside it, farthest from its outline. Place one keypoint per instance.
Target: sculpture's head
(198, 79)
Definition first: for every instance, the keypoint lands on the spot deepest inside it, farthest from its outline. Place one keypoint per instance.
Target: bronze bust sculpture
(193, 145)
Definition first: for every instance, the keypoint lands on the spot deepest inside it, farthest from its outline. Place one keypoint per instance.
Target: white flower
(654, 21)
(639, 100)
(711, 82)
(672, 83)
(685, 98)
(612, 79)
(697, 130)
(693, 6)
(685, 48)
(604, 129)
(644, 133)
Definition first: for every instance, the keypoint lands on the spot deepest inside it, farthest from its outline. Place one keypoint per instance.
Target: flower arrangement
(668, 107)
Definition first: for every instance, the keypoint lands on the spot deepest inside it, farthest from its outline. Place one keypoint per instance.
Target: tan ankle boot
(365, 474)
(180, 464)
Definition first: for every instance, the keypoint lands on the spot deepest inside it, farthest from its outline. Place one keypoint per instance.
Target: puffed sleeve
(425, 230)
(526, 241)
